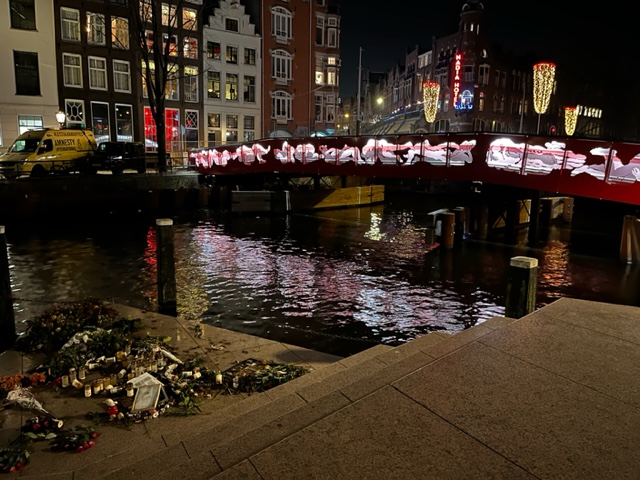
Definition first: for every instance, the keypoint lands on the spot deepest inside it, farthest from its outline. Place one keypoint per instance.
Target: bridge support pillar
(448, 229)
(482, 221)
(460, 227)
(546, 213)
(567, 212)
(521, 287)
(534, 217)
(512, 219)
(630, 243)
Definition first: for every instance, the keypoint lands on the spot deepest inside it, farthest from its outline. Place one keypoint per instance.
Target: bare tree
(156, 28)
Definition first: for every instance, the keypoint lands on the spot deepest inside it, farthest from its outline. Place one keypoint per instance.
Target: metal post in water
(7, 318)
(166, 267)
(521, 287)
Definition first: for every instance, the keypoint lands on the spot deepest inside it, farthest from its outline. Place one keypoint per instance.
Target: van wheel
(38, 171)
(142, 169)
(117, 171)
(58, 170)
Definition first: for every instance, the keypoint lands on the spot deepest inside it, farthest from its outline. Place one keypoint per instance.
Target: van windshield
(25, 146)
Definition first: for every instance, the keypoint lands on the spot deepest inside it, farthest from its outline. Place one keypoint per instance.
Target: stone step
(242, 430)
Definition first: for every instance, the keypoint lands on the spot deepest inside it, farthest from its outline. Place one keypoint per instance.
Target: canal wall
(73, 196)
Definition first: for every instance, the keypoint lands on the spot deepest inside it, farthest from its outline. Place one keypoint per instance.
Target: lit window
(190, 84)
(232, 54)
(169, 17)
(213, 84)
(231, 92)
(190, 47)
(120, 33)
(29, 122)
(213, 50)
(189, 17)
(96, 32)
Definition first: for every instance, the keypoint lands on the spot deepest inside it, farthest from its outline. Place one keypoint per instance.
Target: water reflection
(338, 281)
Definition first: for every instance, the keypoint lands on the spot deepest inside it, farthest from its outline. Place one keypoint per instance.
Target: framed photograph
(146, 398)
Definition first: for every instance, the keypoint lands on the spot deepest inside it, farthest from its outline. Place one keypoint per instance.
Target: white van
(43, 152)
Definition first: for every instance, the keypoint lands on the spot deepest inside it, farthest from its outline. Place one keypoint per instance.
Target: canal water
(337, 281)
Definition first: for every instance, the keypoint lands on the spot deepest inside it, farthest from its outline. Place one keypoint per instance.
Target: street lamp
(430, 94)
(543, 76)
(60, 118)
(570, 120)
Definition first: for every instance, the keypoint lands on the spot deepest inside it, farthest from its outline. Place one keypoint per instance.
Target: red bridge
(607, 170)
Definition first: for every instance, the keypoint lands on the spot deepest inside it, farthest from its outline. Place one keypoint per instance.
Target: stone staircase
(219, 446)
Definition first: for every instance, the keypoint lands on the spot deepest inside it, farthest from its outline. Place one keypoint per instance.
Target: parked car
(117, 157)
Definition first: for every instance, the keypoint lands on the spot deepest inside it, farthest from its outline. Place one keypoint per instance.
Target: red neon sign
(457, 68)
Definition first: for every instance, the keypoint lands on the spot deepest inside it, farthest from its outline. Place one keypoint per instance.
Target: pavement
(555, 394)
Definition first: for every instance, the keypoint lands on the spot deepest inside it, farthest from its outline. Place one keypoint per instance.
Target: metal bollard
(166, 267)
(521, 287)
(7, 318)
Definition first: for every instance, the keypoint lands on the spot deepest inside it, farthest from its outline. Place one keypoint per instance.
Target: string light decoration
(570, 120)
(543, 76)
(430, 94)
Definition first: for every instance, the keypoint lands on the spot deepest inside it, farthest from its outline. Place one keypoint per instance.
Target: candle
(97, 386)
(129, 389)
(65, 381)
(87, 390)
(119, 355)
(72, 374)
(82, 373)
(219, 378)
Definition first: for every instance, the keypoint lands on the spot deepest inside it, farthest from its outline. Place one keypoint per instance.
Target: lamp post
(430, 94)
(570, 120)
(543, 77)
(60, 118)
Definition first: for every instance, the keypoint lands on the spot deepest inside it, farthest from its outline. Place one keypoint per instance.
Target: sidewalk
(555, 394)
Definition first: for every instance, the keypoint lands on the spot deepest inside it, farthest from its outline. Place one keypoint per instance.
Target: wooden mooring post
(7, 317)
(165, 257)
(521, 287)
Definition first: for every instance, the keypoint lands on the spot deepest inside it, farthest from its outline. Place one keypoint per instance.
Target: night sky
(603, 41)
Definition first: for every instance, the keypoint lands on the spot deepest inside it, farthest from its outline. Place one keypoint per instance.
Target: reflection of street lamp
(430, 94)
(543, 76)
(570, 120)
(60, 118)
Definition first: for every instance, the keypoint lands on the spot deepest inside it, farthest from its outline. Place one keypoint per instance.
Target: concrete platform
(555, 394)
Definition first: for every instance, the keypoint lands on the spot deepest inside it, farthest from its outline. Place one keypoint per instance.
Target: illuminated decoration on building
(430, 94)
(543, 76)
(570, 120)
(457, 68)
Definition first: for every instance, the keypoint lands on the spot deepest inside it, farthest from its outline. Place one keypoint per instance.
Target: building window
(213, 50)
(445, 105)
(331, 113)
(190, 84)
(23, 14)
(74, 109)
(100, 121)
(332, 78)
(121, 76)
(231, 87)
(232, 121)
(232, 128)
(232, 54)
(249, 89)
(249, 134)
(72, 70)
(29, 122)
(173, 44)
(124, 123)
(496, 82)
(332, 38)
(483, 75)
(281, 24)
(190, 49)
(120, 33)
(281, 106)
(281, 65)
(318, 111)
(249, 56)
(214, 120)
(171, 90)
(319, 76)
(192, 138)
(189, 17)
(96, 32)
(97, 73)
(319, 31)
(231, 24)
(213, 84)
(27, 73)
(169, 17)
(481, 102)
(70, 29)
(468, 73)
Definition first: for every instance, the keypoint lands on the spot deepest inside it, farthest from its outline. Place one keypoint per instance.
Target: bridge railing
(586, 167)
